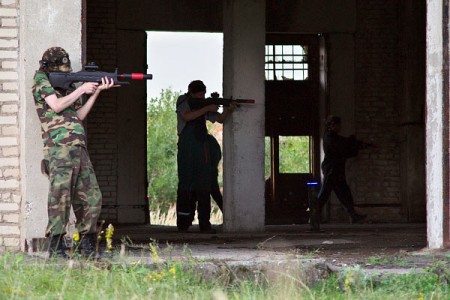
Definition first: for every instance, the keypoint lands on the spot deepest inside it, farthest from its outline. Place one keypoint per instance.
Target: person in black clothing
(195, 169)
(215, 154)
(337, 150)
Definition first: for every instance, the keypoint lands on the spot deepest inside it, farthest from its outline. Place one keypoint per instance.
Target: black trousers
(336, 182)
(216, 194)
(190, 201)
(194, 180)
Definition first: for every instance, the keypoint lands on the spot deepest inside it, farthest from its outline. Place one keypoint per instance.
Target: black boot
(57, 247)
(314, 214)
(88, 246)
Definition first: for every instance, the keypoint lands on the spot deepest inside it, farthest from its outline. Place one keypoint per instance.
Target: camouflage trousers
(72, 184)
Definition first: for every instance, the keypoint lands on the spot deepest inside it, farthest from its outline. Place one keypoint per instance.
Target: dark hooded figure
(337, 150)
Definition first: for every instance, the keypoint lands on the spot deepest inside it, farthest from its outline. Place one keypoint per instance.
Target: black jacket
(337, 150)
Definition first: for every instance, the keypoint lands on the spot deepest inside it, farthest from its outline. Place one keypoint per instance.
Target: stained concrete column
(43, 24)
(434, 128)
(243, 144)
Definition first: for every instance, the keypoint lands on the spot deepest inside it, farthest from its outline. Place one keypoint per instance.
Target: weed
(261, 245)
(22, 277)
(399, 261)
(169, 217)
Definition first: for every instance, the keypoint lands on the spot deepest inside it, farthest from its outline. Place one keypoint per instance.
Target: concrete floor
(340, 244)
(379, 249)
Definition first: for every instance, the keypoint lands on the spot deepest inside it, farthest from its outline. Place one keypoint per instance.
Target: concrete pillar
(43, 24)
(244, 40)
(436, 122)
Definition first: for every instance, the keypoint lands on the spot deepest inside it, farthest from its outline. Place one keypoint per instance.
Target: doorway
(176, 59)
(292, 125)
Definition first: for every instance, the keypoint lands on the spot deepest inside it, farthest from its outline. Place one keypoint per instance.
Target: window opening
(267, 161)
(286, 62)
(295, 154)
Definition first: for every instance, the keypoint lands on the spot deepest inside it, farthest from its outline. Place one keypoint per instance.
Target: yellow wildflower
(99, 237)
(76, 236)
(347, 282)
(154, 252)
(109, 234)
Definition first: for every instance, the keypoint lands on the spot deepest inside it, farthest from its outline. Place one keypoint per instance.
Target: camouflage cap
(55, 57)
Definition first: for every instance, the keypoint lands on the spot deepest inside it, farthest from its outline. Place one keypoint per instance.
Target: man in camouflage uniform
(72, 179)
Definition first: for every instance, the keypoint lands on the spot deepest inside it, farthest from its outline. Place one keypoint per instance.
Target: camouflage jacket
(64, 128)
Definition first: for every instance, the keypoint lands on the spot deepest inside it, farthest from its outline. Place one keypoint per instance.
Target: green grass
(398, 261)
(24, 278)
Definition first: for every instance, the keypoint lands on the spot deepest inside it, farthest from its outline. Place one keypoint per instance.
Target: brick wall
(9, 127)
(102, 121)
(377, 92)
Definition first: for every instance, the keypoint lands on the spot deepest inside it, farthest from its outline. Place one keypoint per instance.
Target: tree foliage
(293, 153)
(162, 150)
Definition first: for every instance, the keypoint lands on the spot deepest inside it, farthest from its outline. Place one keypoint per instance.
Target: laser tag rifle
(91, 74)
(216, 100)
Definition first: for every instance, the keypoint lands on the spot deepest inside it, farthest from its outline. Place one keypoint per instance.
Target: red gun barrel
(136, 76)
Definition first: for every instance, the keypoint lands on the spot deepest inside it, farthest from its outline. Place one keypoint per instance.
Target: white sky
(177, 58)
